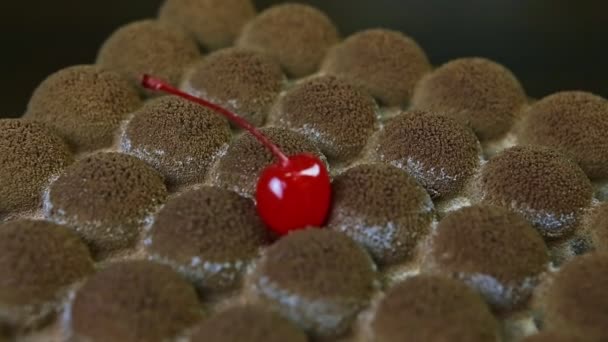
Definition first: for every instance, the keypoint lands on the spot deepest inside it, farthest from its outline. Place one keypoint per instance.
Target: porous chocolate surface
(84, 104)
(497, 251)
(317, 278)
(430, 308)
(476, 91)
(37, 260)
(335, 114)
(441, 153)
(544, 186)
(240, 168)
(214, 23)
(149, 47)
(212, 232)
(134, 301)
(104, 197)
(553, 337)
(599, 228)
(247, 324)
(178, 138)
(298, 36)
(382, 208)
(30, 154)
(385, 63)
(243, 81)
(575, 123)
(575, 302)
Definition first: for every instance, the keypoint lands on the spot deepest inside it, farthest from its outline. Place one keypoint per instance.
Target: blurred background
(550, 45)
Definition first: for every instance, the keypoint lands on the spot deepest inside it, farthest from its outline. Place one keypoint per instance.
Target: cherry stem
(154, 83)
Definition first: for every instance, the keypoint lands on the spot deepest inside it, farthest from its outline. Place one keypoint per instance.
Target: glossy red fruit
(295, 194)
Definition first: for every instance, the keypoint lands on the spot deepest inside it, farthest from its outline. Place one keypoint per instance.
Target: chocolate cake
(105, 197)
(30, 155)
(438, 151)
(599, 228)
(575, 123)
(133, 301)
(383, 209)
(179, 139)
(476, 91)
(431, 308)
(317, 278)
(214, 23)
(553, 337)
(210, 234)
(151, 47)
(38, 260)
(243, 81)
(84, 104)
(240, 167)
(247, 324)
(331, 112)
(296, 35)
(544, 186)
(492, 249)
(385, 63)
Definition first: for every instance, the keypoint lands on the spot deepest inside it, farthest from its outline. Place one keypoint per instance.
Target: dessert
(599, 228)
(385, 63)
(553, 337)
(179, 139)
(84, 104)
(383, 209)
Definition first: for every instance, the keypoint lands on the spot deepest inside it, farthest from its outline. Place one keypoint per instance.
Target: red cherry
(294, 195)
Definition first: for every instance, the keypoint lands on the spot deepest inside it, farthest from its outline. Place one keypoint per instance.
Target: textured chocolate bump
(178, 138)
(149, 47)
(429, 308)
(84, 104)
(494, 250)
(211, 234)
(240, 80)
(383, 209)
(214, 23)
(317, 278)
(240, 168)
(296, 35)
(247, 324)
(30, 155)
(544, 186)
(37, 261)
(575, 123)
(104, 197)
(599, 228)
(476, 91)
(331, 112)
(553, 337)
(438, 151)
(575, 302)
(385, 63)
(134, 301)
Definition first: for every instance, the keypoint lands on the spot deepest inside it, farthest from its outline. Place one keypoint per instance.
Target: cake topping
(494, 250)
(134, 301)
(317, 278)
(214, 23)
(430, 308)
(331, 112)
(84, 104)
(476, 91)
(178, 138)
(575, 123)
(211, 234)
(385, 63)
(544, 186)
(296, 35)
(105, 197)
(383, 209)
(438, 151)
(30, 155)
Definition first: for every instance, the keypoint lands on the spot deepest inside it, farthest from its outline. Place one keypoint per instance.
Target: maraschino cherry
(293, 193)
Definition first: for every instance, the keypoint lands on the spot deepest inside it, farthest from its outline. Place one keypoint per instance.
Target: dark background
(550, 44)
